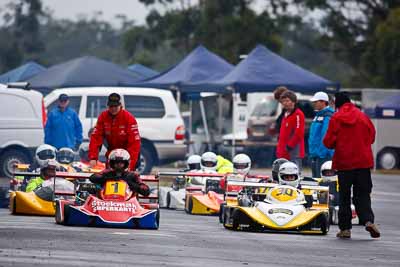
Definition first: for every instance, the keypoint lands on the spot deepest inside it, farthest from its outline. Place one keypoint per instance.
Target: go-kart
(41, 200)
(269, 207)
(115, 205)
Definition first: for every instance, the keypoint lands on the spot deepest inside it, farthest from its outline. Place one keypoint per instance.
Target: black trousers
(360, 180)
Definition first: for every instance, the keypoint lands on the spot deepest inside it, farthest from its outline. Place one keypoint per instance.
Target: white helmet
(119, 155)
(209, 161)
(84, 151)
(289, 174)
(241, 164)
(193, 162)
(327, 173)
(44, 153)
(65, 155)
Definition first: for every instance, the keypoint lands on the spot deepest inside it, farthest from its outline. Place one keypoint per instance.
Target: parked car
(261, 124)
(22, 116)
(160, 123)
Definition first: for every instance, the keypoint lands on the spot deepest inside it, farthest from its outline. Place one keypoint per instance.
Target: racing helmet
(289, 174)
(65, 155)
(48, 168)
(44, 153)
(117, 156)
(241, 164)
(84, 151)
(193, 162)
(209, 161)
(327, 173)
(275, 168)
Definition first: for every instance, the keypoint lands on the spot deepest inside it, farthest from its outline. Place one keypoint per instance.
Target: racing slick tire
(221, 212)
(189, 208)
(14, 206)
(239, 220)
(323, 221)
(158, 219)
(168, 200)
(58, 213)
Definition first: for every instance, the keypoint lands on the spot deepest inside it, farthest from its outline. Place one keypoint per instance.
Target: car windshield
(265, 108)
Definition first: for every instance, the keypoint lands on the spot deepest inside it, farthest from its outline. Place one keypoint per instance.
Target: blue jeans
(316, 164)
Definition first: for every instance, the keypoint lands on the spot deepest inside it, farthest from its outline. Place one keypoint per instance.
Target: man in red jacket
(118, 128)
(351, 133)
(291, 134)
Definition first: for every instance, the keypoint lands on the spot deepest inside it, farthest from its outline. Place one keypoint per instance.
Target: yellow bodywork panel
(202, 204)
(30, 203)
(302, 219)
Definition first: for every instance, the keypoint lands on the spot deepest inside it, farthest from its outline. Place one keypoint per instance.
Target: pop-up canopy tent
(389, 108)
(22, 73)
(263, 71)
(200, 65)
(82, 72)
(143, 71)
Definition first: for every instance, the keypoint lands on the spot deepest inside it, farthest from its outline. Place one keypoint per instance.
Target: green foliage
(381, 61)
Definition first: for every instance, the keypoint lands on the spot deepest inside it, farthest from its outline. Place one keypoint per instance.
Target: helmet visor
(329, 172)
(194, 166)
(46, 154)
(209, 164)
(289, 177)
(240, 166)
(65, 156)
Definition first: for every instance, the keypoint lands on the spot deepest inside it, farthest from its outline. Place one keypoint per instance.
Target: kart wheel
(58, 213)
(221, 212)
(158, 218)
(190, 206)
(168, 200)
(14, 206)
(236, 219)
(324, 223)
(67, 211)
(388, 159)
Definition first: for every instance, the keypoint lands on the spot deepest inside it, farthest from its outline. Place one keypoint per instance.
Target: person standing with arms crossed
(291, 136)
(351, 133)
(118, 128)
(318, 153)
(63, 127)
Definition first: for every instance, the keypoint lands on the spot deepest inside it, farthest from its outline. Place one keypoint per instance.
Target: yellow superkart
(269, 207)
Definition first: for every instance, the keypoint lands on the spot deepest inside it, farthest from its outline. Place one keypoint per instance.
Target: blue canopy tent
(389, 108)
(263, 71)
(143, 71)
(82, 72)
(22, 73)
(200, 65)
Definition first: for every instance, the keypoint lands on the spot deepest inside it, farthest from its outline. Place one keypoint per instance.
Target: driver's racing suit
(132, 178)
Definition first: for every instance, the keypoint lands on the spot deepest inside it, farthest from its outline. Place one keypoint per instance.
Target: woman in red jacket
(118, 128)
(351, 133)
(291, 134)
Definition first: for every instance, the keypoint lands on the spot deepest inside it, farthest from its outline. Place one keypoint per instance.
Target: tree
(382, 57)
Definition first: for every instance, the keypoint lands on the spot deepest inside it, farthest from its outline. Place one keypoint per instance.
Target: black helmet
(275, 168)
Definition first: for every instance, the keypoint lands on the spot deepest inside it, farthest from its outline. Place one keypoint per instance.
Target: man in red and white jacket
(118, 128)
(291, 134)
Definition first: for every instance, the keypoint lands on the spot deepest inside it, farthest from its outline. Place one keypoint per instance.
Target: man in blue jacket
(318, 153)
(63, 127)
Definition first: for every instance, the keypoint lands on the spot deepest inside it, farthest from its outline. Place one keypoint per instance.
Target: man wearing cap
(118, 128)
(317, 151)
(63, 127)
(351, 133)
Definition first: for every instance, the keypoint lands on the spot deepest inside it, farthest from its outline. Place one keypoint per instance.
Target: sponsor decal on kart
(113, 206)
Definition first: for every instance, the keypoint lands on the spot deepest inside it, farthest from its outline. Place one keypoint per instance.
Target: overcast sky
(133, 9)
(70, 9)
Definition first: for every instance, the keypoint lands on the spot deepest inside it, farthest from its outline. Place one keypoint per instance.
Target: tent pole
(203, 115)
(219, 114)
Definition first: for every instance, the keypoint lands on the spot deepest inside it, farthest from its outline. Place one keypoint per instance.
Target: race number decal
(115, 188)
(284, 194)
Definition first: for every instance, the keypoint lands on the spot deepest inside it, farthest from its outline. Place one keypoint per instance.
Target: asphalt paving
(188, 240)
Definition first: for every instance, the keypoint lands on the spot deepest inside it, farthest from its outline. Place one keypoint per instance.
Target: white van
(22, 116)
(160, 123)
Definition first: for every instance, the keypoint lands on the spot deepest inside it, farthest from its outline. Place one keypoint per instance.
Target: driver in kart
(119, 160)
(289, 174)
(210, 162)
(47, 171)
